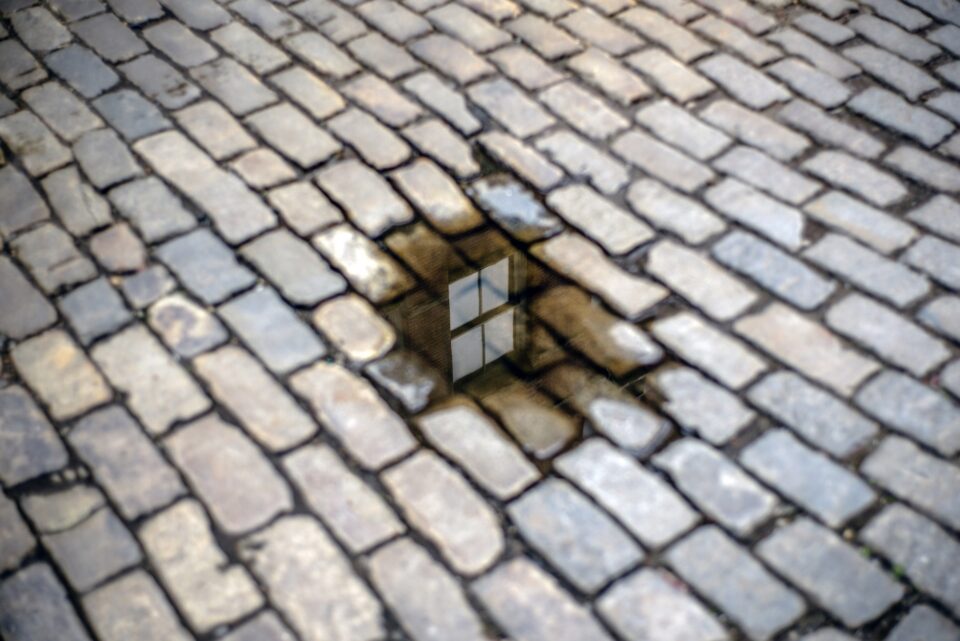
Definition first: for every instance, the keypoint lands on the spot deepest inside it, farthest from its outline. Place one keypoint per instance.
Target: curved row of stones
(206, 431)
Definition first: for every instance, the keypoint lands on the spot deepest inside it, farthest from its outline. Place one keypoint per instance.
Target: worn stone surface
(35, 606)
(701, 406)
(94, 550)
(133, 607)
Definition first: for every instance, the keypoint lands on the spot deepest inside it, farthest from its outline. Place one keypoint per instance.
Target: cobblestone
(36, 607)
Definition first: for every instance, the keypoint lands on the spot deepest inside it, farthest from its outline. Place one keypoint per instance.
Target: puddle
(551, 363)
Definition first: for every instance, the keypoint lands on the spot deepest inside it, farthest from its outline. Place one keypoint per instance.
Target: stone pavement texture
(475, 320)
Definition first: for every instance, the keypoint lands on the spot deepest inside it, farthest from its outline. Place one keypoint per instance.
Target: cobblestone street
(477, 320)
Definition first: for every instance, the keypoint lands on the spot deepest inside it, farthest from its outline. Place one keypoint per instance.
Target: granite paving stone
(26, 205)
(94, 310)
(16, 539)
(184, 326)
(827, 129)
(38, 148)
(52, 258)
(666, 209)
(938, 258)
(28, 311)
(924, 622)
(768, 217)
(31, 447)
(75, 202)
(133, 606)
(701, 406)
(62, 111)
(755, 129)
(152, 207)
(299, 273)
(36, 606)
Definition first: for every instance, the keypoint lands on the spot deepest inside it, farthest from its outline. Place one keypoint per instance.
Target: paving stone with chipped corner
(16, 540)
(94, 550)
(207, 451)
(206, 267)
(26, 311)
(830, 571)
(887, 334)
(437, 196)
(514, 208)
(911, 408)
(158, 390)
(407, 379)
(524, 161)
(152, 208)
(662, 161)
(369, 269)
(206, 587)
(31, 447)
(575, 536)
(916, 477)
(717, 486)
(580, 158)
(525, 600)
(439, 503)
(611, 411)
(650, 605)
(885, 278)
(262, 407)
(237, 212)
(427, 600)
(927, 554)
(94, 310)
(617, 482)
(701, 406)
(63, 112)
(62, 376)
(33, 143)
(133, 607)
(808, 347)
(728, 576)
(583, 262)
(36, 606)
(358, 517)
(365, 196)
(348, 407)
(807, 477)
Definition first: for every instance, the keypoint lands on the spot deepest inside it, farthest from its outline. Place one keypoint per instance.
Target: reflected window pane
(464, 300)
(498, 336)
(495, 285)
(467, 349)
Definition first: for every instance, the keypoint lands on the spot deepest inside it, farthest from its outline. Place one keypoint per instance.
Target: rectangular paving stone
(938, 258)
(887, 334)
(662, 161)
(814, 414)
(331, 20)
(860, 177)
(761, 171)
(728, 35)
(674, 78)
(523, 161)
(272, 330)
(923, 480)
(354, 328)
(678, 40)
(424, 597)
(26, 207)
(581, 541)
(94, 550)
(670, 211)
(378, 53)
(747, 85)
(34, 606)
(773, 269)
(312, 583)
(30, 444)
(382, 100)
(237, 212)
(610, 76)
(243, 43)
(184, 326)
(27, 310)
(215, 129)
(509, 106)
(109, 37)
(810, 82)
(228, 81)
(21, 69)
(892, 38)
(872, 226)
(634, 607)
(709, 348)
(830, 571)
(321, 54)
(133, 607)
(525, 600)
(943, 316)
(76, 203)
(262, 407)
(152, 208)
(828, 130)
(365, 196)
(439, 503)
(807, 477)
(701, 406)
(293, 134)
(543, 36)
(613, 228)
(158, 390)
(358, 517)
(706, 285)
(676, 126)
(179, 43)
(374, 273)
(580, 158)
(351, 410)
(61, 375)
(926, 623)
(913, 409)
(94, 310)
(717, 485)
(16, 539)
(301, 275)
(125, 462)
(583, 110)
(206, 266)
(525, 67)
(806, 346)
(451, 58)
(33, 143)
(728, 576)
(591, 27)
(925, 168)
(202, 15)
(824, 58)
(889, 68)
(230, 474)
(304, 208)
(375, 143)
(160, 82)
(52, 258)
(446, 102)
(887, 109)
(61, 110)
(929, 556)
(105, 159)
(265, 626)
(131, 114)
(206, 586)
(79, 67)
(880, 276)
(435, 139)
(647, 506)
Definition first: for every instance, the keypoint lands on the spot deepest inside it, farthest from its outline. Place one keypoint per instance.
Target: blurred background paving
(543, 320)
